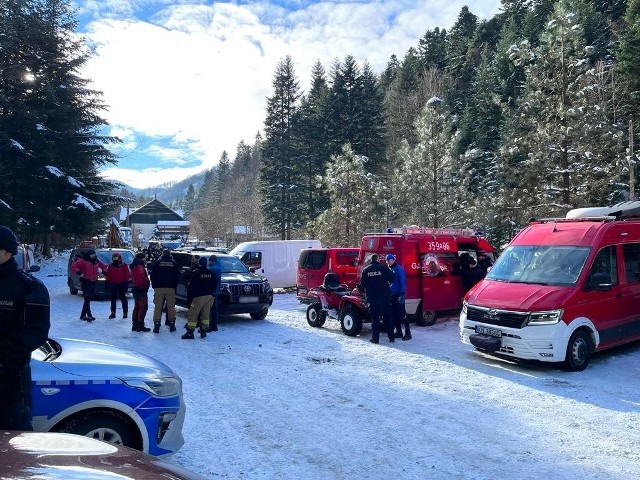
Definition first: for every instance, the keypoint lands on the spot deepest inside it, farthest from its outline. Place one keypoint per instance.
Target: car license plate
(247, 299)
(492, 332)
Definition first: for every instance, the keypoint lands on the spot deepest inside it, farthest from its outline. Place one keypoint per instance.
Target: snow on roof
(173, 223)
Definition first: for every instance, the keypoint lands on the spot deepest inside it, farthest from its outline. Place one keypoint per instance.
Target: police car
(108, 393)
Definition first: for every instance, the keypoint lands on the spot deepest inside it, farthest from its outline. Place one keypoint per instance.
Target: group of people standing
(203, 288)
(385, 289)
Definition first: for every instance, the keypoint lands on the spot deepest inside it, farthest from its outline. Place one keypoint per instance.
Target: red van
(561, 290)
(314, 263)
(429, 257)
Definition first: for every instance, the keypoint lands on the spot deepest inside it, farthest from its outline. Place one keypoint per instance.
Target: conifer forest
(484, 125)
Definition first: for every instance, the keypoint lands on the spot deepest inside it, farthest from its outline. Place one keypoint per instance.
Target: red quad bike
(337, 301)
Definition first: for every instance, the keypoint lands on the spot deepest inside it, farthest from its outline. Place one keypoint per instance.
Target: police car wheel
(350, 321)
(315, 315)
(102, 426)
(579, 351)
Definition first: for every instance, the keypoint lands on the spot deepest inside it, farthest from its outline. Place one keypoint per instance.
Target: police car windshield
(232, 265)
(542, 265)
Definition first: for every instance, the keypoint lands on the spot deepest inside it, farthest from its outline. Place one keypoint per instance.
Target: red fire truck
(429, 257)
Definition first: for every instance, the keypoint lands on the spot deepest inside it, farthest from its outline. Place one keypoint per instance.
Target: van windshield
(543, 265)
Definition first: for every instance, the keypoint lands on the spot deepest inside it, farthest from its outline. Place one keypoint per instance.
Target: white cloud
(201, 73)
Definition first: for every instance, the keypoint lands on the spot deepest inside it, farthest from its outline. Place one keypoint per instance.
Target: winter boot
(142, 327)
(188, 335)
(90, 317)
(124, 314)
(398, 333)
(134, 326)
(156, 327)
(407, 332)
(113, 314)
(172, 326)
(203, 333)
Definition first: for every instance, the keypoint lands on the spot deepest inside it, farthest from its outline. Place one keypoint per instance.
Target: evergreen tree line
(485, 125)
(51, 134)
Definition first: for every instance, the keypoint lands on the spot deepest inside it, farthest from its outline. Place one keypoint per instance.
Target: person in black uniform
(165, 275)
(24, 326)
(201, 284)
(374, 283)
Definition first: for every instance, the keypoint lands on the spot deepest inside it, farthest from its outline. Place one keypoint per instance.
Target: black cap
(8, 240)
(140, 255)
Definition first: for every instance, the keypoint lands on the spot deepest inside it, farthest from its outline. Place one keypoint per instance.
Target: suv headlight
(550, 317)
(225, 286)
(159, 387)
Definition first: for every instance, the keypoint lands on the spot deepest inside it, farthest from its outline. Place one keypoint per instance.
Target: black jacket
(24, 318)
(165, 273)
(202, 282)
(375, 282)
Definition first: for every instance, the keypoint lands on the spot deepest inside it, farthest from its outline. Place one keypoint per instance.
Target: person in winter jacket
(201, 284)
(215, 268)
(140, 289)
(118, 276)
(87, 267)
(24, 326)
(195, 263)
(165, 275)
(398, 292)
(374, 282)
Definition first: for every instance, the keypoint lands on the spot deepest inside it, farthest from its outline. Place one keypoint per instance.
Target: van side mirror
(600, 282)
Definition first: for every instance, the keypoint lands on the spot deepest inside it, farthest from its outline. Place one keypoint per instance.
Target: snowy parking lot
(276, 398)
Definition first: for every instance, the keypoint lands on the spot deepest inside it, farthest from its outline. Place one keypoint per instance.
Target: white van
(276, 259)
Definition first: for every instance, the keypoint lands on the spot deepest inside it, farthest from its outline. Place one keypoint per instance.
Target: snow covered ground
(276, 398)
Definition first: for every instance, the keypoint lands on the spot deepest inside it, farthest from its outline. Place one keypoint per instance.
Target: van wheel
(315, 315)
(261, 315)
(426, 318)
(579, 351)
(72, 289)
(350, 321)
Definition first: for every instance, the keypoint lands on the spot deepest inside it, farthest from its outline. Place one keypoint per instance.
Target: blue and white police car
(108, 393)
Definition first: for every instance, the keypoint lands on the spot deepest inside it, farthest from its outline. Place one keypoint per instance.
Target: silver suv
(104, 255)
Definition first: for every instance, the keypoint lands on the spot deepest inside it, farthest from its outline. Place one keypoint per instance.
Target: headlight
(464, 308)
(224, 286)
(549, 317)
(159, 387)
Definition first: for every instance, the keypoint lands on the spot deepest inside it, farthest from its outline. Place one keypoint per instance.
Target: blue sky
(186, 80)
